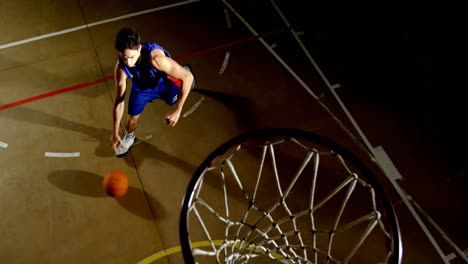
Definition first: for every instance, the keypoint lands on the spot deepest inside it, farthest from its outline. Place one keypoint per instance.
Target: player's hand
(116, 142)
(172, 117)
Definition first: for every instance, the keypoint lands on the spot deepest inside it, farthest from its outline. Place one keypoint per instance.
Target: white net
(286, 200)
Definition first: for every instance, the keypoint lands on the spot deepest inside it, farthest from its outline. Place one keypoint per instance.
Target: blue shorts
(166, 90)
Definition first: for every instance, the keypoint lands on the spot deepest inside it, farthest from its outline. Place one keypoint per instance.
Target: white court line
(62, 154)
(298, 79)
(190, 111)
(225, 62)
(61, 32)
(322, 75)
(395, 184)
(451, 256)
(335, 86)
(3, 144)
(386, 163)
(228, 18)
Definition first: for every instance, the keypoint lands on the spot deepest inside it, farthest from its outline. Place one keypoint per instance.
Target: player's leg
(132, 122)
(129, 136)
(136, 104)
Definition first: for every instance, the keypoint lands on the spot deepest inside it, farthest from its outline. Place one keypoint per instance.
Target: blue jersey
(143, 74)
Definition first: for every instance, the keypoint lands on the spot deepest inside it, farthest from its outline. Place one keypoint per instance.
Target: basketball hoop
(286, 196)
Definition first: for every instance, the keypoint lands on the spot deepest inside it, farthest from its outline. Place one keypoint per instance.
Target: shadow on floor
(89, 184)
(241, 106)
(78, 182)
(101, 135)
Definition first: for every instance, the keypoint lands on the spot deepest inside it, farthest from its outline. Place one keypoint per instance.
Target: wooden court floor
(56, 96)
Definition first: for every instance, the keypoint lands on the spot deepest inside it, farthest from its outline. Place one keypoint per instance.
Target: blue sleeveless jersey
(144, 75)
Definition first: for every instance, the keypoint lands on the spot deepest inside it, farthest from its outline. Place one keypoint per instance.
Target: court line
(172, 250)
(228, 18)
(110, 77)
(62, 154)
(194, 107)
(56, 92)
(65, 31)
(176, 249)
(3, 144)
(225, 62)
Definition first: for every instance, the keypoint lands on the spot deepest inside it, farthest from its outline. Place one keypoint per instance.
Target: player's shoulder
(157, 54)
(155, 49)
(151, 46)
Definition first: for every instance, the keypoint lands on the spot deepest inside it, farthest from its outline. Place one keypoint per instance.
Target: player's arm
(119, 103)
(163, 63)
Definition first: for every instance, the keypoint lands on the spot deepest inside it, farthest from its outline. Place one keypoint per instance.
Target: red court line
(230, 44)
(64, 90)
(190, 55)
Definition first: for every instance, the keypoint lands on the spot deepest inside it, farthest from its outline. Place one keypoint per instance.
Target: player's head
(128, 44)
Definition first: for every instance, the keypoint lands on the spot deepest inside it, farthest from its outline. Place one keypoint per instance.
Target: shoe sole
(122, 155)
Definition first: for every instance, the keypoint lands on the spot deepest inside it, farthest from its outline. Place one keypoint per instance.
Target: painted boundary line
(3, 144)
(64, 90)
(110, 77)
(65, 31)
(225, 62)
(195, 245)
(194, 107)
(62, 154)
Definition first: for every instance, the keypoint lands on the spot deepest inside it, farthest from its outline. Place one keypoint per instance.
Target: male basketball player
(155, 75)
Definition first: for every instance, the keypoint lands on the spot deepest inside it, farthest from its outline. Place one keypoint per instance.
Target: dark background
(411, 59)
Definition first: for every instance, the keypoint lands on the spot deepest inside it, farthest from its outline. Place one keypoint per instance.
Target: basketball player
(155, 75)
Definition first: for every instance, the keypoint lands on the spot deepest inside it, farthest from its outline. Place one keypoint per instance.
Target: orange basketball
(115, 183)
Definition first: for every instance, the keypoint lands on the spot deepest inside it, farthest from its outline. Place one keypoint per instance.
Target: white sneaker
(127, 142)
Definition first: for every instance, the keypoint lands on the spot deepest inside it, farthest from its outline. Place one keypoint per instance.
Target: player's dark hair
(127, 38)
